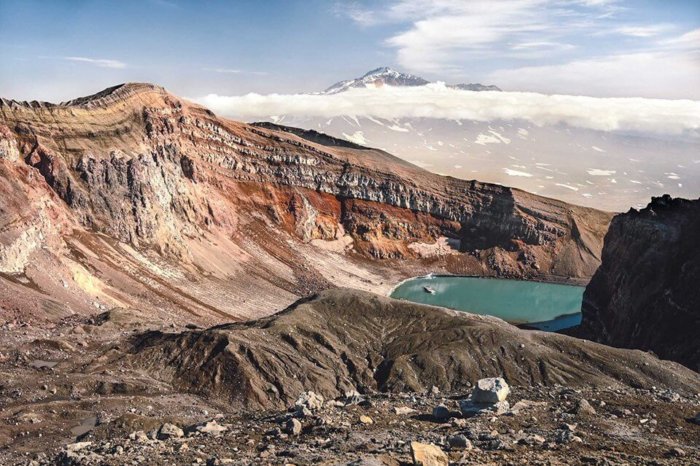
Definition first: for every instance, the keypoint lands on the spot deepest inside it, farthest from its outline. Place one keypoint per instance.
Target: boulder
(168, 431)
(309, 400)
(424, 454)
(491, 390)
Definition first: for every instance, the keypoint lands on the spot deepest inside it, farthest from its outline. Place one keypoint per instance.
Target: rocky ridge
(645, 293)
(135, 192)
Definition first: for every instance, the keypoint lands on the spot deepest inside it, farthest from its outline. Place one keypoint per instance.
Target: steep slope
(345, 340)
(645, 294)
(135, 198)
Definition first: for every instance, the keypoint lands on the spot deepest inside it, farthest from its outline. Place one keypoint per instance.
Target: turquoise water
(545, 306)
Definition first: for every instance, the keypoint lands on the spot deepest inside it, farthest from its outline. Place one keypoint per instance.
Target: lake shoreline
(548, 306)
(549, 279)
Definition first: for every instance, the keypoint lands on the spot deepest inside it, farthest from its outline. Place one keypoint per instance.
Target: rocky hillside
(346, 340)
(135, 198)
(645, 294)
(388, 378)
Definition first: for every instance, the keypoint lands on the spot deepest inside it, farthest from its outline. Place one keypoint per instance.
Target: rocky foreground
(342, 378)
(554, 425)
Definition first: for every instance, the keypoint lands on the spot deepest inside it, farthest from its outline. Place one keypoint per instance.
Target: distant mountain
(601, 169)
(390, 77)
(475, 87)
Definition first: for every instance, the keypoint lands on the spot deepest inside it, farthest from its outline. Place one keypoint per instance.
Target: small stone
(210, 427)
(168, 431)
(366, 420)
(427, 455)
(293, 427)
(566, 436)
(533, 439)
(441, 413)
(584, 408)
(676, 452)
(403, 410)
(491, 390)
(569, 427)
(73, 447)
(459, 442)
(353, 397)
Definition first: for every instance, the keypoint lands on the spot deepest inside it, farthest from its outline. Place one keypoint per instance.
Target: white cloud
(441, 35)
(438, 101)
(648, 74)
(233, 71)
(688, 40)
(101, 62)
(642, 31)
(531, 44)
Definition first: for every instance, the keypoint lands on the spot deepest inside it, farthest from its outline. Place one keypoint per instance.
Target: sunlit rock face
(135, 192)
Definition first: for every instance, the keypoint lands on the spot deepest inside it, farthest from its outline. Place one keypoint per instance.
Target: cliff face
(645, 294)
(136, 192)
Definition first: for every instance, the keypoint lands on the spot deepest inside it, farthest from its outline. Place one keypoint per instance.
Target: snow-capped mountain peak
(376, 78)
(388, 76)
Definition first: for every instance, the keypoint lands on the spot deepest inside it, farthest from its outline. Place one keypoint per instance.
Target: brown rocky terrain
(645, 293)
(345, 340)
(137, 199)
(384, 373)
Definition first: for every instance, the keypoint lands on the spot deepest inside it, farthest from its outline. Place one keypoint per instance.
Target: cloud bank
(101, 62)
(437, 101)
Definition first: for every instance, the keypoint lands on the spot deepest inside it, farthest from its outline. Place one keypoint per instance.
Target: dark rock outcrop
(646, 293)
(344, 340)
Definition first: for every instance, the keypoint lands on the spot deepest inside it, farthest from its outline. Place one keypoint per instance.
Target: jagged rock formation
(135, 198)
(345, 340)
(645, 294)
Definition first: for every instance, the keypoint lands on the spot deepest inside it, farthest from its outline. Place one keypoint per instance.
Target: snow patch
(357, 137)
(511, 172)
(600, 172)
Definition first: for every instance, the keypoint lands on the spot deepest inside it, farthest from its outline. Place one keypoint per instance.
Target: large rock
(645, 294)
(168, 431)
(428, 455)
(310, 401)
(491, 390)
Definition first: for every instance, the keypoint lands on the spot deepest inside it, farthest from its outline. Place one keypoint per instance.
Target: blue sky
(55, 50)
